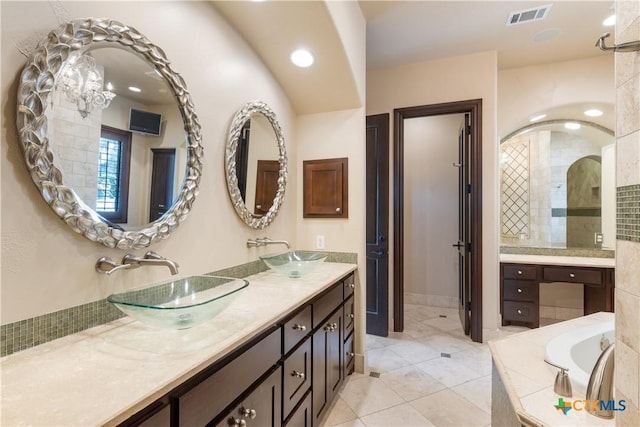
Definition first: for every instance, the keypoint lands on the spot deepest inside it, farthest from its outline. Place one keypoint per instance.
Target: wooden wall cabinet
(326, 188)
(287, 375)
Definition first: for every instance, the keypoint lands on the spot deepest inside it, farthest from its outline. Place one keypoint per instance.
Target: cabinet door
(326, 364)
(261, 408)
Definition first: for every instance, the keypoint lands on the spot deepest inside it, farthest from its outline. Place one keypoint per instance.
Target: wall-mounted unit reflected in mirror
(256, 164)
(102, 120)
(558, 186)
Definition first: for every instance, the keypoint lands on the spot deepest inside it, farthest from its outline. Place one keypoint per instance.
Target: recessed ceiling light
(610, 21)
(134, 89)
(593, 112)
(302, 58)
(572, 125)
(538, 117)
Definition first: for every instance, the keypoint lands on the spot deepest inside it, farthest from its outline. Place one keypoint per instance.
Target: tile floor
(430, 375)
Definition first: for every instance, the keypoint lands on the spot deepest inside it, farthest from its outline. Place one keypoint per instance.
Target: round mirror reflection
(558, 186)
(256, 164)
(109, 133)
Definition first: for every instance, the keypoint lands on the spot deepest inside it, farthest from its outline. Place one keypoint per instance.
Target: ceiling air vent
(528, 15)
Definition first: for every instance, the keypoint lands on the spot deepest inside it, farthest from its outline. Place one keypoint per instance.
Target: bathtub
(578, 350)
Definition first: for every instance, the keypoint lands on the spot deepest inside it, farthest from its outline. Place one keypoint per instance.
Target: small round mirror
(256, 164)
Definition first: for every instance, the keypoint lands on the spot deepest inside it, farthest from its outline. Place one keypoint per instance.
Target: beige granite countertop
(103, 375)
(559, 260)
(519, 359)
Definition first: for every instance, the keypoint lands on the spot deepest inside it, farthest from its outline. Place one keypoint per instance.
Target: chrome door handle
(458, 245)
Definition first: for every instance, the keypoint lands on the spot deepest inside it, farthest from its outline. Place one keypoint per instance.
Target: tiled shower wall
(627, 303)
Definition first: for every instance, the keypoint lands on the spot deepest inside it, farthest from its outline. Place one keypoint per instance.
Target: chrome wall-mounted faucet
(264, 241)
(107, 266)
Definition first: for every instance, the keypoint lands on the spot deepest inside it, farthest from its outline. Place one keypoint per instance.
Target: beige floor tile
(414, 351)
(444, 323)
(411, 383)
(477, 392)
(444, 343)
(403, 415)
(450, 371)
(339, 413)
(384, 359)
(368, 395)
(355, 423)
(446, 408)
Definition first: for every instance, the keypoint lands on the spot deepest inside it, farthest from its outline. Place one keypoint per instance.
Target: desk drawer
(520, 311)
(522, 272)
(572, 275)
(516, 290)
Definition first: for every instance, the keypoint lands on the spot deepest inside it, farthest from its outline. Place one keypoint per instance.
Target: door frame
(474, 109)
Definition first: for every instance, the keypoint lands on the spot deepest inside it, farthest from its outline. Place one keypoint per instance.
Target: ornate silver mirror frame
(239, 120)
(37, 83)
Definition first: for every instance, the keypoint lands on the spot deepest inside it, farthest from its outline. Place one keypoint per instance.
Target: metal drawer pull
(297, 327)
(331, 327)
(237, 422)
(246, 412)
(351, 316)
(519, 272)
(519, 290)
(350, 353)
(572, 275)
(519, 311)
(337, 209)
(298, 374)
(352, 285)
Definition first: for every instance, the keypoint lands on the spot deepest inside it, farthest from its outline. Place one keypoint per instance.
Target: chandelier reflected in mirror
(82, 84)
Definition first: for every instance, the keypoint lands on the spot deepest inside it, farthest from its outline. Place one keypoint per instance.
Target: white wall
(454, 79)
(530, 90)
(431, 210)
(51, 267)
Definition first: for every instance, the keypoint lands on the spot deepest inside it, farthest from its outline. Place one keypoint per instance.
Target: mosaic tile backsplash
(38, 330)
(628, 213)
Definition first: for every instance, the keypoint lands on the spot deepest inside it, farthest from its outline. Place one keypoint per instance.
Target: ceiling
(400, 32)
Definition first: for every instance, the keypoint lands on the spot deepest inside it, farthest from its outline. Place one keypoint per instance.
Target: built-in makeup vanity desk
(521, 275)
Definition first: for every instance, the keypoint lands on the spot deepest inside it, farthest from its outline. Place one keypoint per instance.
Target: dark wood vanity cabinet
(286, 375)
(519, 289)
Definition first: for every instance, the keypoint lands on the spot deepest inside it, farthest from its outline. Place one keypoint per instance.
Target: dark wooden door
(377, 224)
(464, 225)
(266, 185)
(161, 182)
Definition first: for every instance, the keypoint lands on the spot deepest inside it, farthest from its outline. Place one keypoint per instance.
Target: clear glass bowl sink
(181, 303)
(294, 263)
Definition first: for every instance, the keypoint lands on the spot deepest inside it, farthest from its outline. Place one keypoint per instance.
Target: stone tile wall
(627, 303)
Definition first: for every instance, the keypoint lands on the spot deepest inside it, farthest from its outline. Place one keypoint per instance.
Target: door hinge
(469, 246)
(469, 188)
(468, 129)
(467, 305)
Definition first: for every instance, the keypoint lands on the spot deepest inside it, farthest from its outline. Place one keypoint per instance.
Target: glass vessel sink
(181, 303)
(294, 263)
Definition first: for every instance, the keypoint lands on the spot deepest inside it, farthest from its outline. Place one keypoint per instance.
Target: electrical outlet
(319, 241)
(599, 238)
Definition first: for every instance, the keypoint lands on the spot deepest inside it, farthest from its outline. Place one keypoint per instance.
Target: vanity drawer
(516, 290)
(324, 306)
(349, 317)
(296, 377)
(572, 275)
(349, 357)
(202, 403)
(523, 272)
(520, 311)
(349, 286)
(298, 327)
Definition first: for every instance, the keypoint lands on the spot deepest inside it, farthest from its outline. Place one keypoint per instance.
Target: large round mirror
(109, 133)
(256, 164)
(558, 185)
